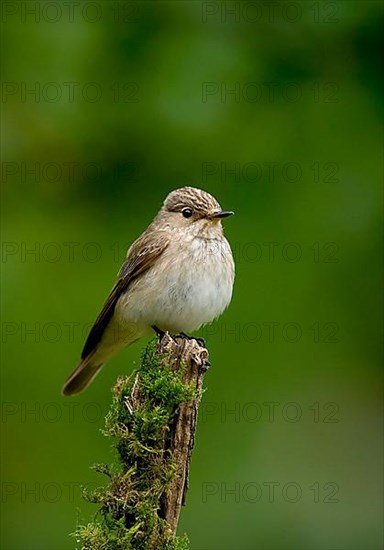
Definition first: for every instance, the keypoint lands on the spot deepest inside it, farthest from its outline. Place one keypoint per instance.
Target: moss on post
(152, 420)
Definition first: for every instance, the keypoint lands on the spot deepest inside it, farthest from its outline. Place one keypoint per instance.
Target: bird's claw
(160, 333)
(199, 340)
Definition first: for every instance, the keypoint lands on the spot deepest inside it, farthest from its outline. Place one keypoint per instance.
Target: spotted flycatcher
(178, 276)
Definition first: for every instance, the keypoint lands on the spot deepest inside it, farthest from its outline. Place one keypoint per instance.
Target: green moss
(128, 516)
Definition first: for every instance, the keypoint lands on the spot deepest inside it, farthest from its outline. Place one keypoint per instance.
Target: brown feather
(140, 257)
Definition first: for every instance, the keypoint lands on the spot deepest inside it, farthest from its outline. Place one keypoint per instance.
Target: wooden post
(153, 420)
(181, 438)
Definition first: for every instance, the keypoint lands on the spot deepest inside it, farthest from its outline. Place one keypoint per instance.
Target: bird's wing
(141, 256)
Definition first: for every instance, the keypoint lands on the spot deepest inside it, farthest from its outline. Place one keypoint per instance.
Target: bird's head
(195, 211)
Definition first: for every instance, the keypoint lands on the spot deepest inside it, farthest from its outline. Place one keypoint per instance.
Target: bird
(177, 276)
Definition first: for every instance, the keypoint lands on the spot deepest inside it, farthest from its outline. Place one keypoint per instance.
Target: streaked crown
(192, 197)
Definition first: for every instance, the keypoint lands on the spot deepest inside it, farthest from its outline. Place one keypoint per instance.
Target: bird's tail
(81, 377)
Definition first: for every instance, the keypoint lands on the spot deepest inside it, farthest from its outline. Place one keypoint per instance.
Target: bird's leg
(160, 333)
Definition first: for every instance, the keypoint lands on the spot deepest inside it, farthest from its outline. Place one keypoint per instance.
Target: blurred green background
(275, 108)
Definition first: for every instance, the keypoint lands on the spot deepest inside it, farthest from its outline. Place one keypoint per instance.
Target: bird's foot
(160, 333)
(200, 341)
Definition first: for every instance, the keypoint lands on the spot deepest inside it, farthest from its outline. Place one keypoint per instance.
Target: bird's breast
(189, 286)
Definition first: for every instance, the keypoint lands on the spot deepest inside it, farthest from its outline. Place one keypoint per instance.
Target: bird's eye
(187, 212)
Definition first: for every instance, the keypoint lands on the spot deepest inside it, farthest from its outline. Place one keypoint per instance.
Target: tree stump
(153, 422)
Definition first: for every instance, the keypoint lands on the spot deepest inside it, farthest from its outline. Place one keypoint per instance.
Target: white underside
(173, 295)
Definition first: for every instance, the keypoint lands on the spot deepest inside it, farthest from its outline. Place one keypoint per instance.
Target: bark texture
(190, 356)
(152, 421)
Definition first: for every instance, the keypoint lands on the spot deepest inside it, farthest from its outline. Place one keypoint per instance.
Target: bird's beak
(221, 214)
